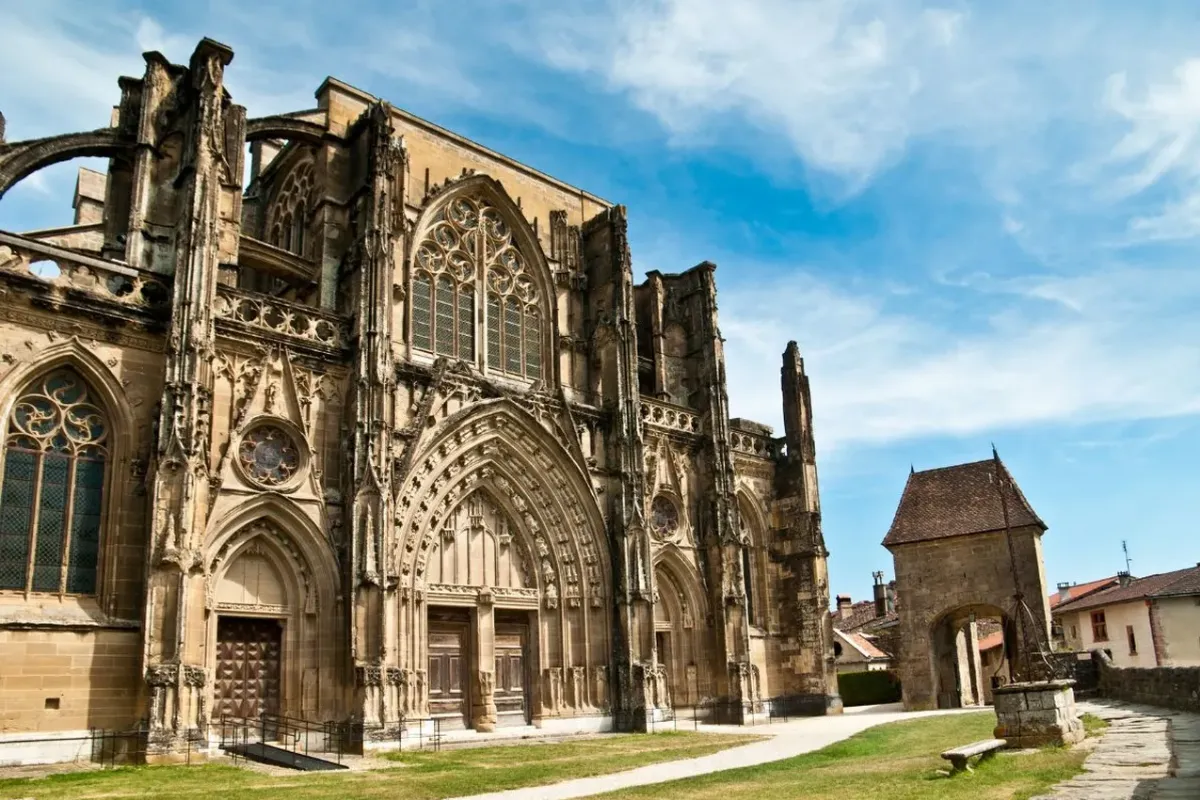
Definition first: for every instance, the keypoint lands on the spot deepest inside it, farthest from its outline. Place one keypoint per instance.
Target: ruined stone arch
(120, 442)
(284, 127)
(479, 287)
(18, 160)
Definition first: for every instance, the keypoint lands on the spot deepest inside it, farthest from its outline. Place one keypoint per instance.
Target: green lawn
(898, 761)
(412, 776)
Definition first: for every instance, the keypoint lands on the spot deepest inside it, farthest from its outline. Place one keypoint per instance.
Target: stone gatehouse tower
(382, 428)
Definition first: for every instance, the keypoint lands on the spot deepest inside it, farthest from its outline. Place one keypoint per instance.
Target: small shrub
(868, 688)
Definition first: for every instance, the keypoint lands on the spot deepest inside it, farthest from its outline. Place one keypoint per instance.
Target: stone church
(376, 425)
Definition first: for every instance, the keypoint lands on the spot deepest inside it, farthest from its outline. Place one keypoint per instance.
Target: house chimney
(891, 597)
(1124, 578)
(843, 603)
(881, 599)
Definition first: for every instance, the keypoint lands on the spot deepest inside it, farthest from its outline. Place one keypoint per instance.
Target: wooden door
(447, 656)
(248, 666)
(510, 693)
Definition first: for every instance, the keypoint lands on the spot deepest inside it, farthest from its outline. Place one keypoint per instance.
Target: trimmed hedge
(868, 688)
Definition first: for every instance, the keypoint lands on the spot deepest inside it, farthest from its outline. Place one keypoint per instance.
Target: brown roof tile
(1079, 590)
(1182, 582)
(955, 501)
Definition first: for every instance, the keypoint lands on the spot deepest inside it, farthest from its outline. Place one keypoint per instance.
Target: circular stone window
(664, 517)
(269, 455)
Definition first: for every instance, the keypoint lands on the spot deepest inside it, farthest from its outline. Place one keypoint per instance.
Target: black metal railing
(325, 740)
(419, 733)
(108, 748)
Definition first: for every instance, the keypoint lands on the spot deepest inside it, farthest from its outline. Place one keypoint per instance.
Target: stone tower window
(470, 245)
(53, 490)
(289, 211)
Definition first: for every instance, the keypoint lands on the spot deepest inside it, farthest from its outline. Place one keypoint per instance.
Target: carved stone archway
(679, 625)
(265, 571)
(498, 453)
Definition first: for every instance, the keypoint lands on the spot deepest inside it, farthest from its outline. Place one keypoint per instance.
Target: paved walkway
(1147, 753)
(787, 739)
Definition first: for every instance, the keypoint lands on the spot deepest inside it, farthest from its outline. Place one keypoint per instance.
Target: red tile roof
(1079, 590)
(992, 640)
(958, 500)
(862, 644)
(1180, 583)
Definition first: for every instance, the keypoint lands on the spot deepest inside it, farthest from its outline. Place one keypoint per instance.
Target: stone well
(1037, 714)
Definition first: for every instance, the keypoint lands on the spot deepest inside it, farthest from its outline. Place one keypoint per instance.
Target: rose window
(269, 455)
(664, 517)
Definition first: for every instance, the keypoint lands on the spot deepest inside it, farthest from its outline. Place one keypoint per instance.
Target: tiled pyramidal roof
(956, 501)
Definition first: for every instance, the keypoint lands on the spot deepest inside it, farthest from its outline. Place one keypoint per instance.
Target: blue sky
(979, 220)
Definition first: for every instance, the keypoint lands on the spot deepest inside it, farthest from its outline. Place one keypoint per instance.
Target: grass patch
(414, 776)
(897, 761)
(1093, 725)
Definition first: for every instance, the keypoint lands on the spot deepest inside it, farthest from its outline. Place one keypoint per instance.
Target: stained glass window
(269, 455)
(470, 241)
(422, 310)
(664, 517)
(53, 490)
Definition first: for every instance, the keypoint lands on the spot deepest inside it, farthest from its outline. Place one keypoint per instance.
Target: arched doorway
(267, 609)
(958, 639)
(482, 594)
(677, 634)
(504, 576)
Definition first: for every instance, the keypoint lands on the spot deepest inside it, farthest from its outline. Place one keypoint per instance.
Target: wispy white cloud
(1108, 347)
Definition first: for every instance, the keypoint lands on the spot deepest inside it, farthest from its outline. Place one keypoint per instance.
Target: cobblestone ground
(1147, 753)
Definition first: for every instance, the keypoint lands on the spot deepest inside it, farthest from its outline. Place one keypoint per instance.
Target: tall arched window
(53, 490)
(288, 213)
(470, 242)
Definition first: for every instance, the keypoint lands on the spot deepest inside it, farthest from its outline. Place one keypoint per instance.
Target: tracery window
(470, 242)
(289, 210)
(664, 517)
(53, 489)
(269, 455)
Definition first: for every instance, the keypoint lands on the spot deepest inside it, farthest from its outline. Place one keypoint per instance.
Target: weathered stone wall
(69, 680)
(945, 579)
(1169, 687)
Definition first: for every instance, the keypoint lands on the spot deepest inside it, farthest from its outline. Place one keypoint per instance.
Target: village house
(1141, 622)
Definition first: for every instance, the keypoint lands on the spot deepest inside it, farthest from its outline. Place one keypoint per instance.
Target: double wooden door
(451, 667)
(249, 652)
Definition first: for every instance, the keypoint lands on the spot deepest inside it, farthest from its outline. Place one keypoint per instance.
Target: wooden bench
(959, 756)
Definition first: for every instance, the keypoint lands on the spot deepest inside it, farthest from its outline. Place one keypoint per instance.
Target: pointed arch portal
(504, 575)
(270, 599)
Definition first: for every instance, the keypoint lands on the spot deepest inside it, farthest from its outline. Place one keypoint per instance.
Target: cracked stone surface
(1147, 753)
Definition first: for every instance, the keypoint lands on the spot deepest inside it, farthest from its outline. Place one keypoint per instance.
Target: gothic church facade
(380, 426)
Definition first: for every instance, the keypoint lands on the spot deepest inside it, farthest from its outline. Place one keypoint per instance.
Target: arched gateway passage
(961, 676)
(504, 576)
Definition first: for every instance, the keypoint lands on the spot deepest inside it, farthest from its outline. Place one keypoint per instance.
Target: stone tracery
(469, 251)
(288, 213)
